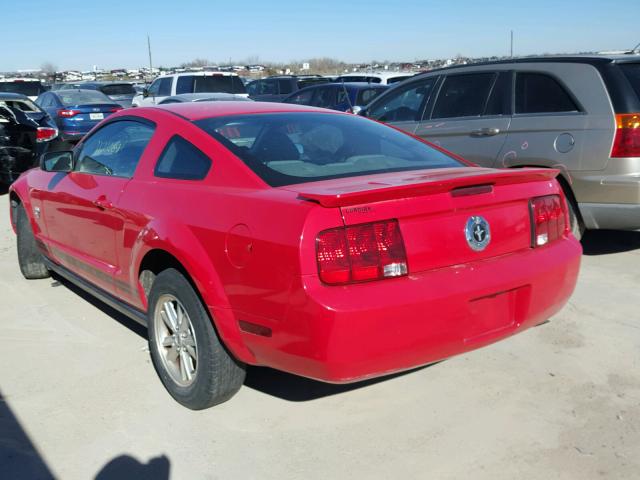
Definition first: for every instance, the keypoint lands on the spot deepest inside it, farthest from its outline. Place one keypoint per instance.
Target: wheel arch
(157, 256)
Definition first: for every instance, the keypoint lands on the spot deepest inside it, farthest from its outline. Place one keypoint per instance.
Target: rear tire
(577, 226)
(186, 352)
(30, 259)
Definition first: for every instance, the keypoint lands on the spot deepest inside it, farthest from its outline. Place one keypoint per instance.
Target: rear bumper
(610, 198)
(345, 334)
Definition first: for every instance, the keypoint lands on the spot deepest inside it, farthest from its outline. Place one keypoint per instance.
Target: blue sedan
(76, 111)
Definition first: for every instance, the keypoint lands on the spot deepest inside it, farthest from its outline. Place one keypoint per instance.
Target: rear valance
(413, 184)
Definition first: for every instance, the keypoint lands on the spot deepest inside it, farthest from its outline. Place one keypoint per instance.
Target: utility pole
(149, 48)
(511, 43)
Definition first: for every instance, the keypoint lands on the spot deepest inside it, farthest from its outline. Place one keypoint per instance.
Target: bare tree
(49, 69)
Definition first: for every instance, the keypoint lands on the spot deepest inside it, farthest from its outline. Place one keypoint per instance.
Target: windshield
(632, 72)
(118, 89)
(290, 148)
(31, 89)
(82, 97)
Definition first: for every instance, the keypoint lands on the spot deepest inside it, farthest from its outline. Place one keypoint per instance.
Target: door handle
(485, 132)
(102, 203)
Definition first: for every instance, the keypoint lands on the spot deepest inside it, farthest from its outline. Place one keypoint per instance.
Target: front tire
(30, 259)
(186, 352)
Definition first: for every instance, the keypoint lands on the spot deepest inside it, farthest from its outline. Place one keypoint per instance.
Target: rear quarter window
(182, 160)
(632, 72)
(541, 93)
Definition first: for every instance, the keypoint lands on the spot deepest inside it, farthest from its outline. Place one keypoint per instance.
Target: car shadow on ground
(126, 467)
(19, 458)
(293, 388)
(135, 327)
(603, 242)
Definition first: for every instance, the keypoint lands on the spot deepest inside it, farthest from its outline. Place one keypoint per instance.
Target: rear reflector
(549, 219)
(627, 141)
(360, 253)
(67, 113)
(45, 134)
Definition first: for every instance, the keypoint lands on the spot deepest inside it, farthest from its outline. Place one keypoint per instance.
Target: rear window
(290, 148)
(210, 84)
(82, 97)
(307, 82)
(632, 72)
(119, 89)
(397, 79)
(25, 105)
(359, 78)
(30, 89)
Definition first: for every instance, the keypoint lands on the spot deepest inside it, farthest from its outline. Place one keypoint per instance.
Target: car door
(158, 91)
(80, 209)
(404, 105)
(549, 125)
(471, 115)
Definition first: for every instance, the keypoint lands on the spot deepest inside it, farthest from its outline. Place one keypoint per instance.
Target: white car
(189, 82)
(383, 78)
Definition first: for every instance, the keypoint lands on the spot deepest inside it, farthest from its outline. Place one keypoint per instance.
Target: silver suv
(579, 114)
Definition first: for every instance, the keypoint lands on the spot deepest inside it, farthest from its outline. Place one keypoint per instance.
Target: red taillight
(66, 113)
(44, 134)
(549, 218)
(359, 253)
(627, 141)
(115, 109)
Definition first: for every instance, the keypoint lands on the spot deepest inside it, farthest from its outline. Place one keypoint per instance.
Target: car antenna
(633, 51)
(348, 97)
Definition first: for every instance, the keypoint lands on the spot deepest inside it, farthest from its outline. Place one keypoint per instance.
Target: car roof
(199, 110)
(591, 59)
(12, 96)
(190, 97)
(382, 75)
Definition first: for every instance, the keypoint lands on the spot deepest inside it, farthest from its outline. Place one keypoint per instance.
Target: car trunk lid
(434, 207)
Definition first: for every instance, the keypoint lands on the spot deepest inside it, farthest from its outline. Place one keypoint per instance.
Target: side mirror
(57, 162)
(145, 92)
(357, 110)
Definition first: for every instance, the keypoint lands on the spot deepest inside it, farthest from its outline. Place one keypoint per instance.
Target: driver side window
(405, 104)
(115, 149)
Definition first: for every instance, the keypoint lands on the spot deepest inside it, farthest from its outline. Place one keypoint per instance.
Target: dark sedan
(337, 96)
(25, 133)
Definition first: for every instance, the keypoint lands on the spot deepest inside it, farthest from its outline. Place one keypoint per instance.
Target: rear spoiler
(412, 185)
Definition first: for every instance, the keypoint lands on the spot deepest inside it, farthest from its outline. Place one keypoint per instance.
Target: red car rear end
(354, 316)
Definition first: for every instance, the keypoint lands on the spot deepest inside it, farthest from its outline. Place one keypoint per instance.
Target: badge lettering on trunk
(478, 233)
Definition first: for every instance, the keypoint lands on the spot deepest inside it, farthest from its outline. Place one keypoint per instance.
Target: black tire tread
(219, 375)
(30, 259)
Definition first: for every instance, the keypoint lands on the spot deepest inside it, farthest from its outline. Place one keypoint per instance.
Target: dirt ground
(79, 397)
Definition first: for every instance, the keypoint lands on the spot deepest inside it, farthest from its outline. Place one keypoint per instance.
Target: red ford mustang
(315, 242)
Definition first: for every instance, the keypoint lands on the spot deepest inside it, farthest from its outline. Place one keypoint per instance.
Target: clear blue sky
(112, 33)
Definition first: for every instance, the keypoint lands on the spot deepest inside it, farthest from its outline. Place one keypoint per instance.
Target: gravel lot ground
(79, 397)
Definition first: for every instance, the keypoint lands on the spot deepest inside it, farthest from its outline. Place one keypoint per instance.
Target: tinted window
(210, 84)
(403, 103)
(325, 97)
(285, 87)
(365, 96)
(540, 93)
(632, 72)
(463, 95)
(359, 78)
(499, 102)
(82, 97)
(181, 160)
(164, 90)
(289, 148)
(397, 79)
(154, 88)
(307, 82)
(31, 89)
(115, 149)
(301, 97)
(118, 89)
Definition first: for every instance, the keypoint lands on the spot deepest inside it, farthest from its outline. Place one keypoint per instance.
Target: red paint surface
(452, 300)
